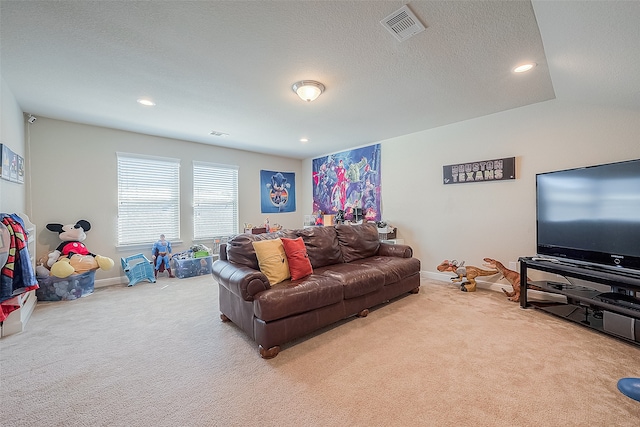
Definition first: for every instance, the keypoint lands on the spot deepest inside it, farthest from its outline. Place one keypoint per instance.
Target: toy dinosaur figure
(469, 273)
(512, 277)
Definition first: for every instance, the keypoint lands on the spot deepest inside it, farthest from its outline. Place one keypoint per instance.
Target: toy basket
(73, 287)
(387, 233)
(190, 267)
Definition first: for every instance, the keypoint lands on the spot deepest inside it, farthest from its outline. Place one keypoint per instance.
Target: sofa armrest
(388, 249)
(243, 281)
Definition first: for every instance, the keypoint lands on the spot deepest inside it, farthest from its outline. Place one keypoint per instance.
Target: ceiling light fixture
(303, 140)
(524, 67)
(146, 102)
(308, 90)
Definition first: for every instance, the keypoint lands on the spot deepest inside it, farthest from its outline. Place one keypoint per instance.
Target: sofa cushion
(358, 241)
(356, 279)
(393, 268)
(299, 264)
(240, 251)
(272, 260)
(322, 245)
(289, 298)
(240, 248)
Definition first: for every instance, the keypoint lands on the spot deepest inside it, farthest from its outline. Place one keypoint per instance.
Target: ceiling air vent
(216, 133)
(402, 23)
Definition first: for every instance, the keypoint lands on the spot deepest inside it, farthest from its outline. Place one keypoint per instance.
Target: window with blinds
(148, 199)
(215, 200)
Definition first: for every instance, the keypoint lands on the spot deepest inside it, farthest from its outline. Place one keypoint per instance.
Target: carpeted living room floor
(158, 355)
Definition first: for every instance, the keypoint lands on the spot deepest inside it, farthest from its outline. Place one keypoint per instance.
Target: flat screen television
(591, 215)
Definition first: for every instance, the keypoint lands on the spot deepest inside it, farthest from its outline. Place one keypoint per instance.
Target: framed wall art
(11, 164)
(480, 171)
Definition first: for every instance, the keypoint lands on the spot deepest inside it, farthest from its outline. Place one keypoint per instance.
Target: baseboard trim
(532, 294)
(101, 283)
(446, 277)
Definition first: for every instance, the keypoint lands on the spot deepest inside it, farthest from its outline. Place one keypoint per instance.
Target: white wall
(12, 195)
(491, 219)
(464, 221)
(74, 177)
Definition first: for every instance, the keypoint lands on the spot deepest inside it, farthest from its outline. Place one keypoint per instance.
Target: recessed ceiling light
(304, 140)
(524, 67)
(146, 102)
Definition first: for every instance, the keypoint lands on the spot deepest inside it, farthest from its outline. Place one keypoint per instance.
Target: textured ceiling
(229, 66)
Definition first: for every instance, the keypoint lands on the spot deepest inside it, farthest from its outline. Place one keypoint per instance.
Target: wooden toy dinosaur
(512, 277)
(469, 273)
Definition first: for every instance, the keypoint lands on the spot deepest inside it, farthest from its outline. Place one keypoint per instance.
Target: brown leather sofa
(352, 272)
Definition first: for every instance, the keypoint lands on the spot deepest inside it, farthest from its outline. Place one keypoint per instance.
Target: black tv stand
(616, 312)
(621, 300)
(617, 272)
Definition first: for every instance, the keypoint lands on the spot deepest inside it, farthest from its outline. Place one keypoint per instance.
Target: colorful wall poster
(277, 191)
(349, 181)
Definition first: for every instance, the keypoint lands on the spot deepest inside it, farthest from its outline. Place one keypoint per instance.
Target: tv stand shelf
(583, 303)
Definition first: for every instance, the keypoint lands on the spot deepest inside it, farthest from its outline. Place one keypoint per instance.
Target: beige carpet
(158, 355)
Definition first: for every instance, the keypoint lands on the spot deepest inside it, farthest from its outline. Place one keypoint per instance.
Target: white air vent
(402, 23)
(216, 133)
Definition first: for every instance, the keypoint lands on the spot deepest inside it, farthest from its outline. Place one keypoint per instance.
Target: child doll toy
(161, 251)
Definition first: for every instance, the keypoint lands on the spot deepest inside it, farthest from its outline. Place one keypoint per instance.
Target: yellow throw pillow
(272, 260)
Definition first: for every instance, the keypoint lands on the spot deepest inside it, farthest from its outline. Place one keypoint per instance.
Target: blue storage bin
(190, 267)
(73, 287)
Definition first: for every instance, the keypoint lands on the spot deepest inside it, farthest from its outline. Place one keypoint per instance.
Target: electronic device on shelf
(560, 286)
(622, 300)
(589, 216)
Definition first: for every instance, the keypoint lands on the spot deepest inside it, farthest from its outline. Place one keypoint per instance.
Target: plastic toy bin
(190, 267)
(73, 287)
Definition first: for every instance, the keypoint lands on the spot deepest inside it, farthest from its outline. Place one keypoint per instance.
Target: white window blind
(215, 200)
(148, 199)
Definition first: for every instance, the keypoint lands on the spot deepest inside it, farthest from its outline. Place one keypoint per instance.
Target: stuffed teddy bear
(72, 256)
